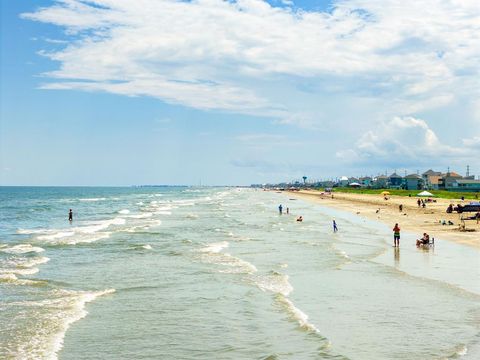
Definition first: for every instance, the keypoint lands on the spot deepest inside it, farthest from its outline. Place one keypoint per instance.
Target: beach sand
(413, 218)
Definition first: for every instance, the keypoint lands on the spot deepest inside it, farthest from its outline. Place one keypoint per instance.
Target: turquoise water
(216, 273)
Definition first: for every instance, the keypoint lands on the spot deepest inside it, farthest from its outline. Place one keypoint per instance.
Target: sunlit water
(185, 273)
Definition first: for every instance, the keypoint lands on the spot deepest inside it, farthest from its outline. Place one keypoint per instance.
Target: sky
(210, 92)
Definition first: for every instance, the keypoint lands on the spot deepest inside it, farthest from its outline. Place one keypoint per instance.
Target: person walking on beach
(335, 228)
(280, 209)
(419, 202)
(70, 215)
(288, 211)
(396, 236)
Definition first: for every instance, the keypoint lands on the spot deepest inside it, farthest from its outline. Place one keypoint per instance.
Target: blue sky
(165, 92)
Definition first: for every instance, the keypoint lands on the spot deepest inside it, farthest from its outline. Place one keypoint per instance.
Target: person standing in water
(70, 215)
(335, 228)
(396, 236)
(288, 211)
(280, 209)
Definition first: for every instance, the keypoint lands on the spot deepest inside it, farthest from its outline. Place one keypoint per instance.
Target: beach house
(343, 181)
(395, 181)
(366, 181)
(448, 180)
(431, 179)
(380, 182)
(464, 185)
(413, 182)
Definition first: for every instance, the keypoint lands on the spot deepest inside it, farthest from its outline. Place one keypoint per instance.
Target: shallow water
(217, 273)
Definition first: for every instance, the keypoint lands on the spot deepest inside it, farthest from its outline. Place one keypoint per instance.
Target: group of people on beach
(300, 218)
(425, 240)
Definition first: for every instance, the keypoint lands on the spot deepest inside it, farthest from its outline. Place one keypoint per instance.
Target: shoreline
(412, 218)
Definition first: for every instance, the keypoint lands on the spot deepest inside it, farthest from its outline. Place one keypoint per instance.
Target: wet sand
(412, 218)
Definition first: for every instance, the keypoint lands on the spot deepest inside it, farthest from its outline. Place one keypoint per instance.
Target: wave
(215, 247)
(124, 211)
(19, 271)
(27, 262)
(141, 247)
(274, 282)
(211, 254)
(297, 314)
(12, 279)
(75, 235)
(141, 216)
(52, 318)
(93, 199)
(21, 249)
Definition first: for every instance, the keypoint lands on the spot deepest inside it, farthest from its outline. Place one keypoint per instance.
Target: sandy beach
(412, 218)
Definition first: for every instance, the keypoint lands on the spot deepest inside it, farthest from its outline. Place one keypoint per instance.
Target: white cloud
(212, 54)
(402, 141)
(473, 142)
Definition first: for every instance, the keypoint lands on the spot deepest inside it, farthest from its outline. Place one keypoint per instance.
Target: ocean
(217, 273)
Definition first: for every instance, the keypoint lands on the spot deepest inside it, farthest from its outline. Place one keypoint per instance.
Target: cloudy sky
(120, 92)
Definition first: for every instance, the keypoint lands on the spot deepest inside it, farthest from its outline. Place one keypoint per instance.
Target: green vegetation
(438, 193)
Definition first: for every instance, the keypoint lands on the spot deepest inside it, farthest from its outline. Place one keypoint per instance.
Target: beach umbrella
(425, 193)
(354, 184)
(385, 193)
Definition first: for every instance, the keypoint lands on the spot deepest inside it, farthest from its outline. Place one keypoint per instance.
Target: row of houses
(430, 179)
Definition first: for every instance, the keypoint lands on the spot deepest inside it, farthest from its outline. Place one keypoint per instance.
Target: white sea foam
(7, 277)
(20, 271)
(22, 249)
(192, 216)
(212, 254)
(31, 231)
(163, 212)
(147, 247)
(12, 279)
(27, 262)
(124, 211)
(215, 247)
(53, 317)
(184, 202)
(274, 282)
(79, 234)
(93, 199)
(297, 314)
(57, 235)
(141, 216)
(20, 266)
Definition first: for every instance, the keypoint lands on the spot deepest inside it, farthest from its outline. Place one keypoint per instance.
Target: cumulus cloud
(235, 56)
(401, 141)
(472, 142)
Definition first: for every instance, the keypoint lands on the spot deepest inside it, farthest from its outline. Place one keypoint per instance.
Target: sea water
(217, 273)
